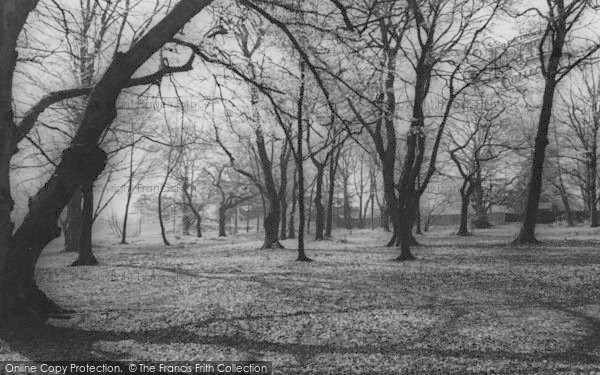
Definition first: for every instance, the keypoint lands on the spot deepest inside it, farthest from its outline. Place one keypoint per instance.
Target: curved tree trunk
(13, 14)
(81, 163)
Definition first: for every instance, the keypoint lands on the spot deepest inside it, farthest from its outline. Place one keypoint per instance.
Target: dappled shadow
(43, 341)
(456, 281)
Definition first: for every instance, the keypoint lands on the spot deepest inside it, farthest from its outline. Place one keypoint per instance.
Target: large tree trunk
(82, 162)
(481, 220)
(222, 221)
(86, 256)
(13, 14)
(384, 218)
(273, 215)
(393, 212)
(73, 222)
(198, 226)
(320, 210)
(565, 200)
(527, 233)
(463, 229)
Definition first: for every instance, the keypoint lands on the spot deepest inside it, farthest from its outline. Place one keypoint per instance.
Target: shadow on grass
(42, 342)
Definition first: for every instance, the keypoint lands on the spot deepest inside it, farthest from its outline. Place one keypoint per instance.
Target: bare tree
(232, 192)
(83, 161)
(473, 143)
(581, 123)
(561, 19)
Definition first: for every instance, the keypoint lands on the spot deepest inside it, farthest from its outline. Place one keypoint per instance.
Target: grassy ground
(467, 304)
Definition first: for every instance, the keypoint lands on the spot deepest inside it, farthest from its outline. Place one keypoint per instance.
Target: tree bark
(481, 217)
(74, 222)
(222, 221)
(13, 14)
(463, 229)
(527, 232)
(300, 169)
(199, 226)
(594, 222)
(319, 209)
(418, 218)
(283, 167)
(346, 205)
(291, 224)
(273, 215)
(333, 165)
(128, 198)
(86, 256)
(161, 219)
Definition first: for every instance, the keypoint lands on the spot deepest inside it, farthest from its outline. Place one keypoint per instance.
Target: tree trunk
(418, 219)
(127, 204)
(594, 222)
(291, 224)
(565, 200)
(331, 195)
(300, 170)
(81, 163)
(372, 211)
(463, 230)
(283, 167)
(283, 226)
(481, 217)
(86, 256)
(161, 220)
(320, 210)
(347, 208)
(527, 232)
(199, 226)
(222, 221)
(13, 14)
(384, 218)
(273, 215)
(74, 223)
